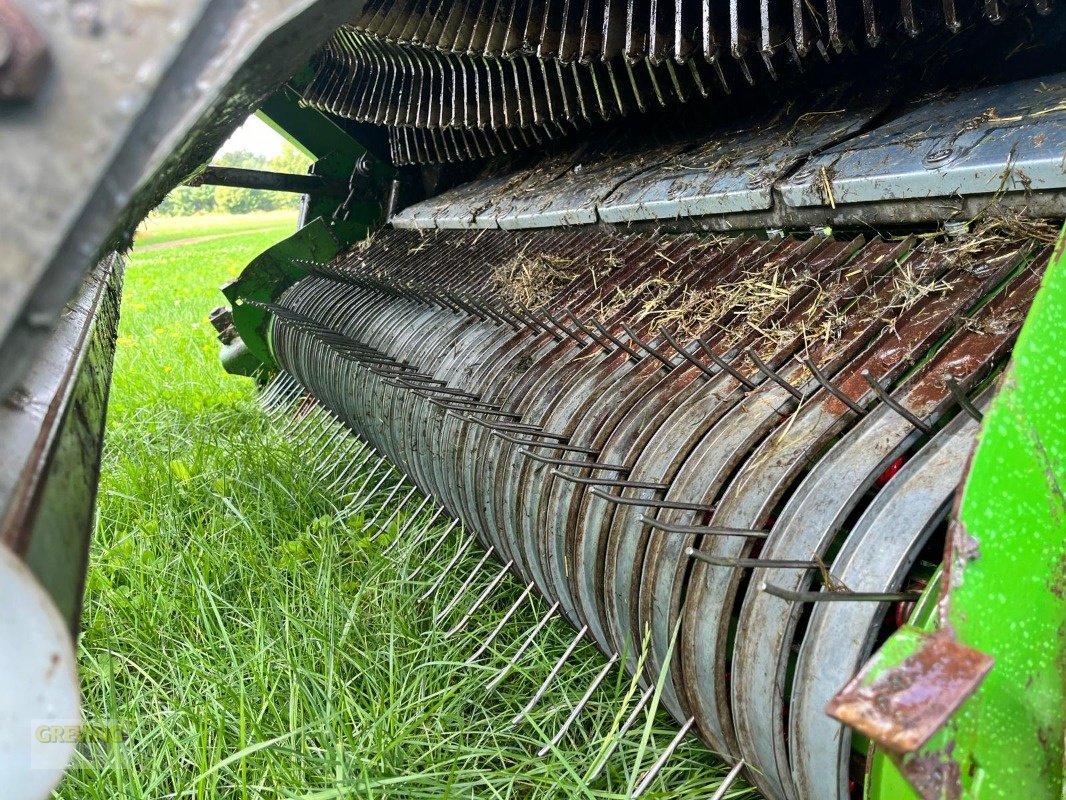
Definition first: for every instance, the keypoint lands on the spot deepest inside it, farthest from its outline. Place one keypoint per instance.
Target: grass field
(251, 639)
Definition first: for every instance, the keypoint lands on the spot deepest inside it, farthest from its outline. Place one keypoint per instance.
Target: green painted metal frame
(1003, 592)
(264, 279)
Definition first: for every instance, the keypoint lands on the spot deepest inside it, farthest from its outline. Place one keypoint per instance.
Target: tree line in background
(185, 201)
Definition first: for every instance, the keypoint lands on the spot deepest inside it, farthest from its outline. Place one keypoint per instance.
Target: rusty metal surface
(904, 705)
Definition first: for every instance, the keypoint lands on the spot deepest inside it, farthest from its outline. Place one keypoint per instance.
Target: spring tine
(641, 501)
(408, 522)
(829, 387)
(615, 340)
(338, 436)
(660, 762)
(470, 407)
(762, 563)
(403, 383)
(363, 456)
(369, 495)
(384, 526)
(558, 324)
(532, 317)
(551, 675)
(564, 462)
(358, 493)
(764, 368)
(962, 399)
(385, 502)
(579, 707)
(481, 598)
(566, 476)
(730, 779)
(503, 673)
(725, 365)
(422, 531)
(342, 453)
(622, 731)
(465, 585)
(499, 626)
(702, 530)
(436, 545)
(584, 329)
(685, 354)
(666, 362)
(887, 399)
(447, 567)
(532, 430)
(838, 596)
(570, 448)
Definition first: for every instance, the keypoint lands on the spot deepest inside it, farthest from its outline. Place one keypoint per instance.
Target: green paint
(276, 269)
(1006, 582)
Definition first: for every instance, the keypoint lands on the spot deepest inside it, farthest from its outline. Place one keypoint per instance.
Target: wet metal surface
(642, 406)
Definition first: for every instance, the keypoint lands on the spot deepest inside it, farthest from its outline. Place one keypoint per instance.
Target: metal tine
(277, 385)
(370, 476)
(887, 399)
(558, 324)
(331, 424)
(600, 676)
(565, 462)
(296, 421)
(622, 731)
(354, 464)
(340, 434)
(615, 340)
(463, 547)
(471, 406)
(570, 448)
(584, 329)
(436, 545)
(531, 319)
(499, 626)
(685, 354)
(306, 430)
(481, 598)
(654, 351)
(746, 563)
(465, 585)
(399, 505)
(285, 400)
(764, 368)
(417, 540)
(532, 430)
(551, 675)
(590, 481)
(384, 526)
(660, 762)
(962, 399)
(829, 387)
(641, 501)
(730, 779)
(838, 596)
(384, 477)
(701, 530)
(329, 466)
(503, 673)
(725, 365)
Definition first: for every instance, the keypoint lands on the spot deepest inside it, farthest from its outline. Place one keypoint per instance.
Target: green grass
(159, 230)
(255, 643)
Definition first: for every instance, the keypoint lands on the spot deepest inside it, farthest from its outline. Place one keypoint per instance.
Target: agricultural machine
(733, 330)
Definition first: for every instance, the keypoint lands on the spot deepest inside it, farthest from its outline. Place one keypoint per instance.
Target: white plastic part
(40, 702)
